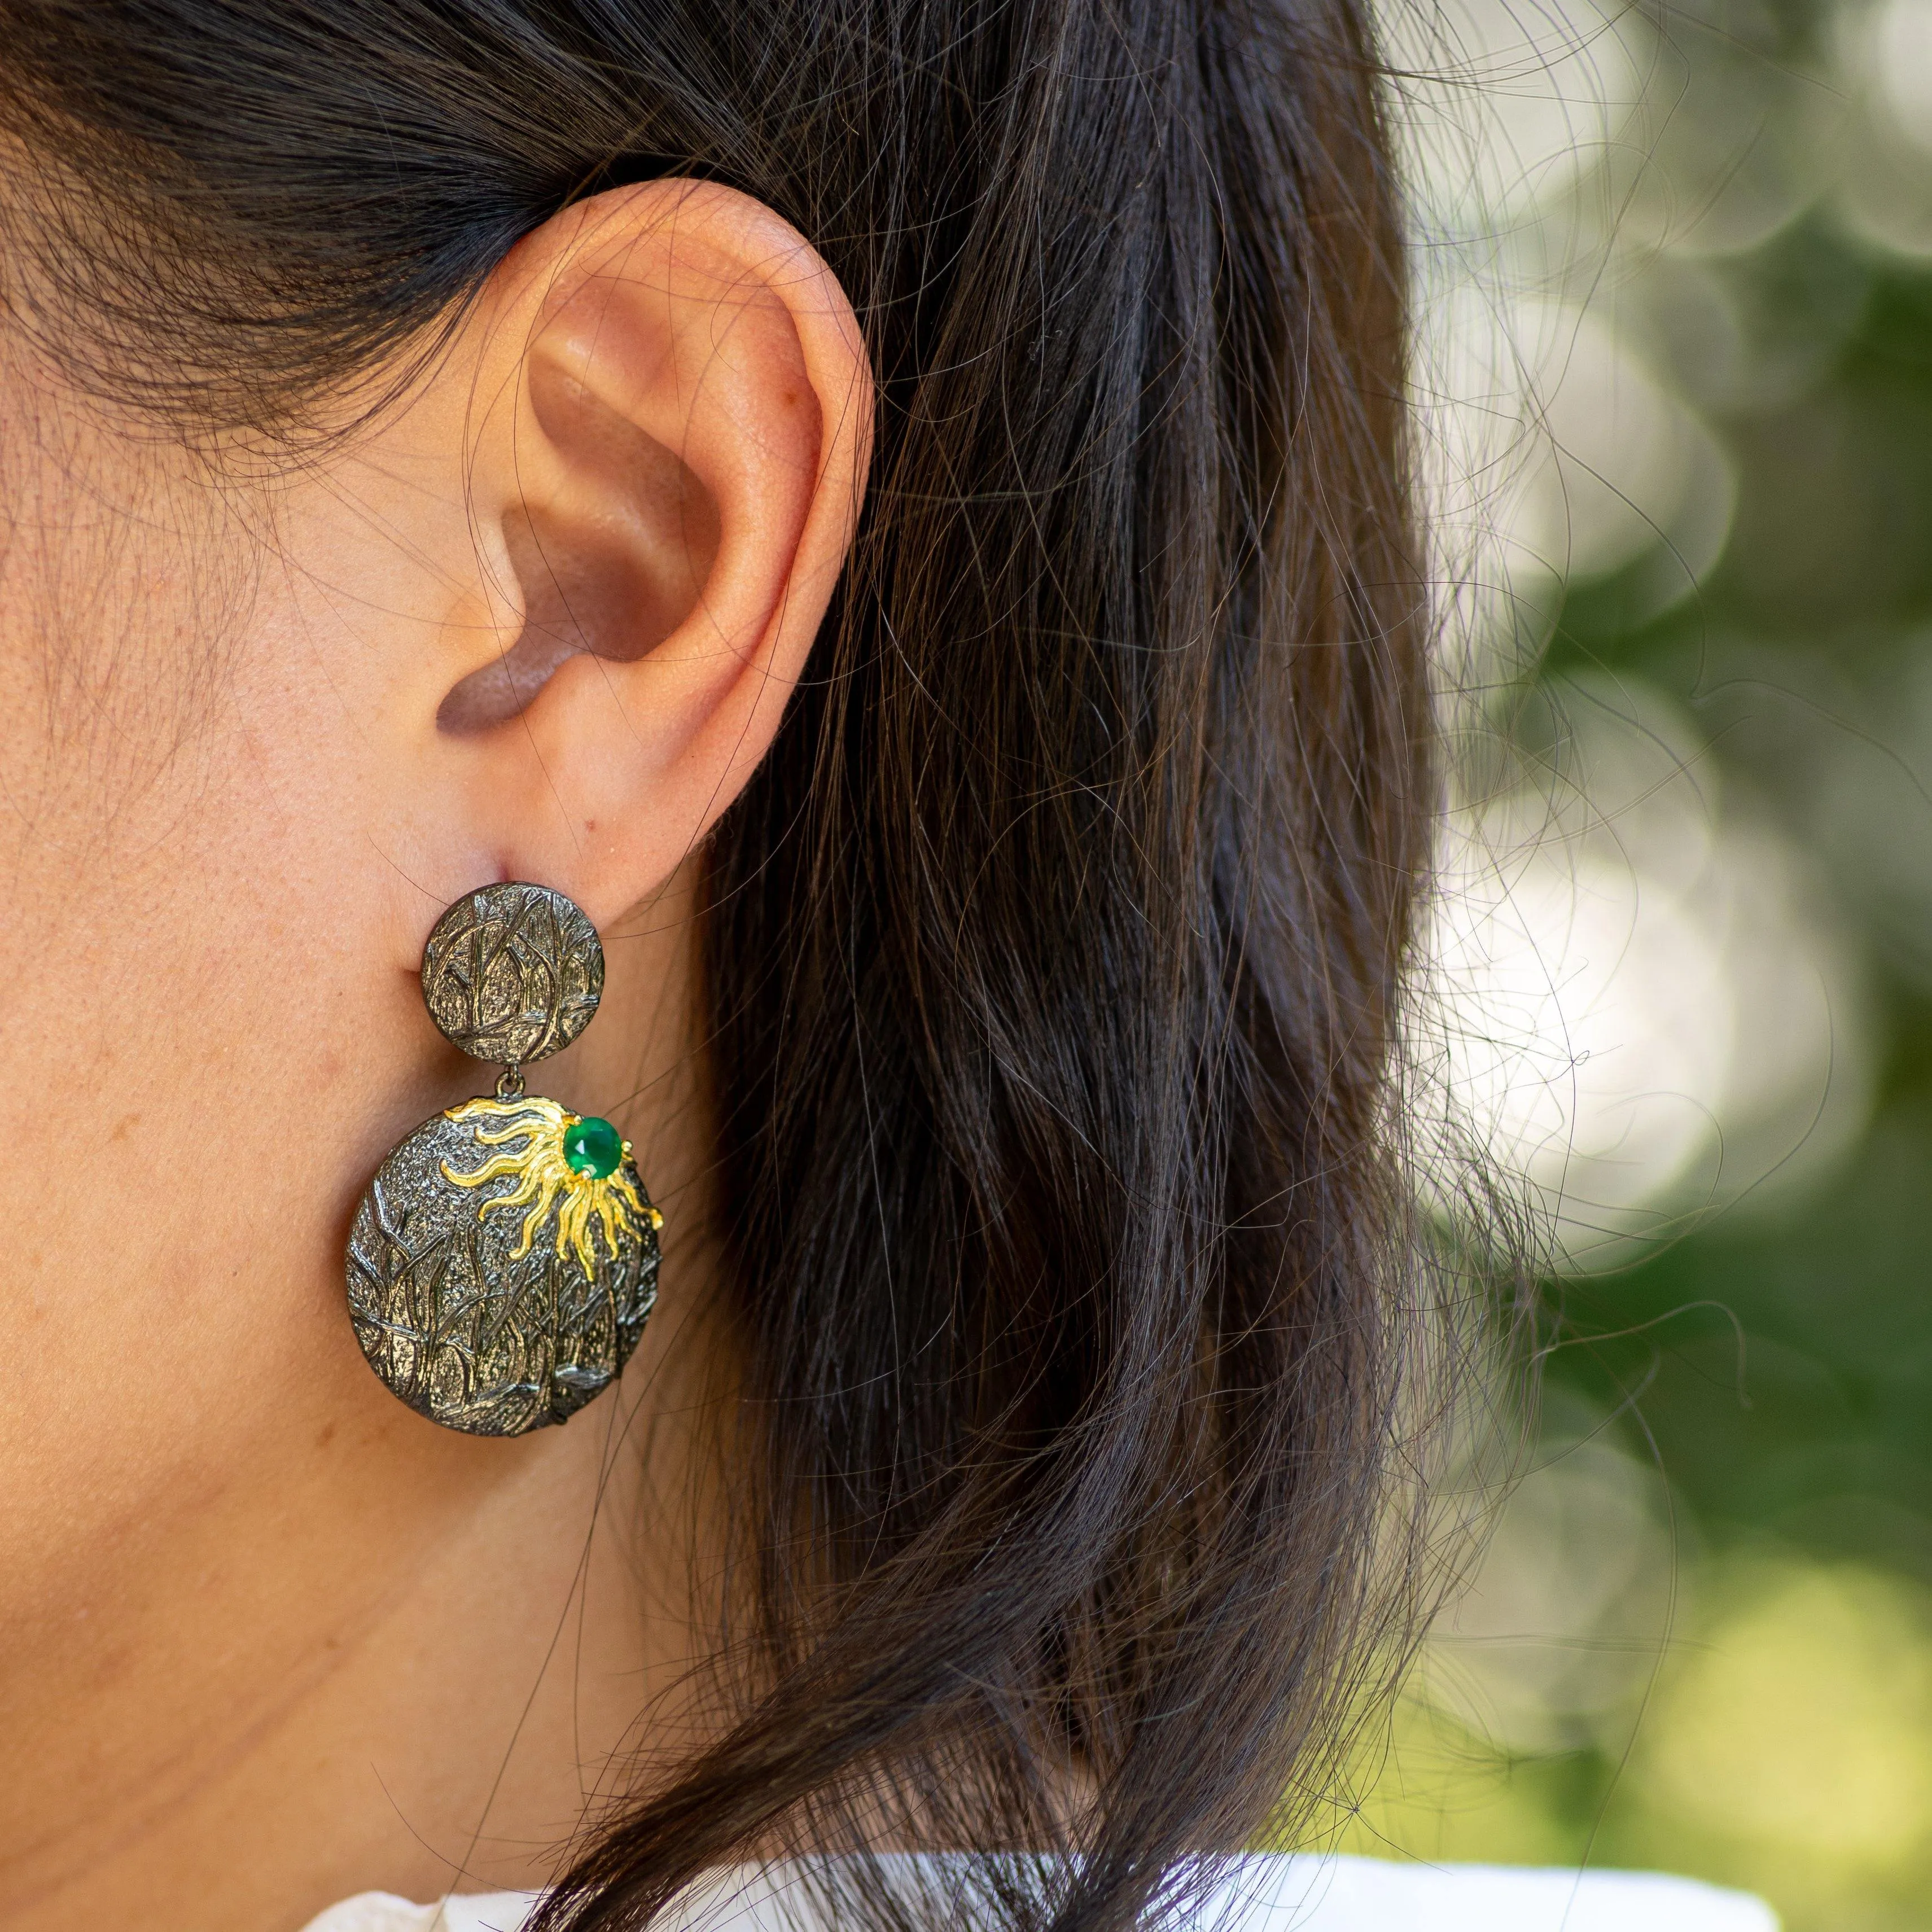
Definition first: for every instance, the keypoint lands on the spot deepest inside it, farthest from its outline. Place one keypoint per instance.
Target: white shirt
(1263, 1893)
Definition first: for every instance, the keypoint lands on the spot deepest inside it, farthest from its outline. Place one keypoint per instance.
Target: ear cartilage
(504, 1259)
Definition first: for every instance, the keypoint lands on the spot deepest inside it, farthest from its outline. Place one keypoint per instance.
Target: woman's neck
(316, 1645)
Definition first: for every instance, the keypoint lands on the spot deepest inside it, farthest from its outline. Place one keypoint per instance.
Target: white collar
(1262, 1893)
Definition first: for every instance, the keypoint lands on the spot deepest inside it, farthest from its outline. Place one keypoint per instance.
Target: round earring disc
(461, 1325)
(512, 972)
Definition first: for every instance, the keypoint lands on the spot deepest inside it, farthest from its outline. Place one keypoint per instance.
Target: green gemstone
(593, 1147)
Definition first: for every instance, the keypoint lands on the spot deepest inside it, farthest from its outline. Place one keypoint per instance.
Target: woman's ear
(660, 413)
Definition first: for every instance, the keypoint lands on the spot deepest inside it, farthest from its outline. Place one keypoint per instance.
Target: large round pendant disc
(492, 1286)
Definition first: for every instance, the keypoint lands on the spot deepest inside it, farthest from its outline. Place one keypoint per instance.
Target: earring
(504, 1258)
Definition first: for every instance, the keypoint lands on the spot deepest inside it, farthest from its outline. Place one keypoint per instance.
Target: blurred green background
(1676, 354)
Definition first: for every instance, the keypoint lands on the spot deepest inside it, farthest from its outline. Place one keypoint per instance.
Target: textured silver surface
(460, 1329)
(512, 972)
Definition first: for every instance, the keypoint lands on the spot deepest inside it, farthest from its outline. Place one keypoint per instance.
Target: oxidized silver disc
(513, 972)
(492, 1287)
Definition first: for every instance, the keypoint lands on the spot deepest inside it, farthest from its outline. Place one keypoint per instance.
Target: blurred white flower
(1619, 457)
(1502, 106)
(1898, 57)
(1884, 56)
(1633, 1008)
(1565, 1619)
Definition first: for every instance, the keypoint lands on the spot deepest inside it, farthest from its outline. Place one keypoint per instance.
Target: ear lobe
(668, 480)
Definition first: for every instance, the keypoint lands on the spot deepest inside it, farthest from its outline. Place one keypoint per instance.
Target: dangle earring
(504, 1258)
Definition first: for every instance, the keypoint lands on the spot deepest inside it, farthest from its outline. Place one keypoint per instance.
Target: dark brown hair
(1054, 953)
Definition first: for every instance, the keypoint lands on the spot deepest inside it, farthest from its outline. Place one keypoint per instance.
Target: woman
(896, 512)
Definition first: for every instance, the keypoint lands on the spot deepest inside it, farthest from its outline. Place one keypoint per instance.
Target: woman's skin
(267, 1638)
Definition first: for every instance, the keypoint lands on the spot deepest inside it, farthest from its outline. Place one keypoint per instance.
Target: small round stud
(512, 972)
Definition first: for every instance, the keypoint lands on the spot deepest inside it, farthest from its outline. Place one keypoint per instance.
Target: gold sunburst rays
(545, 1177)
